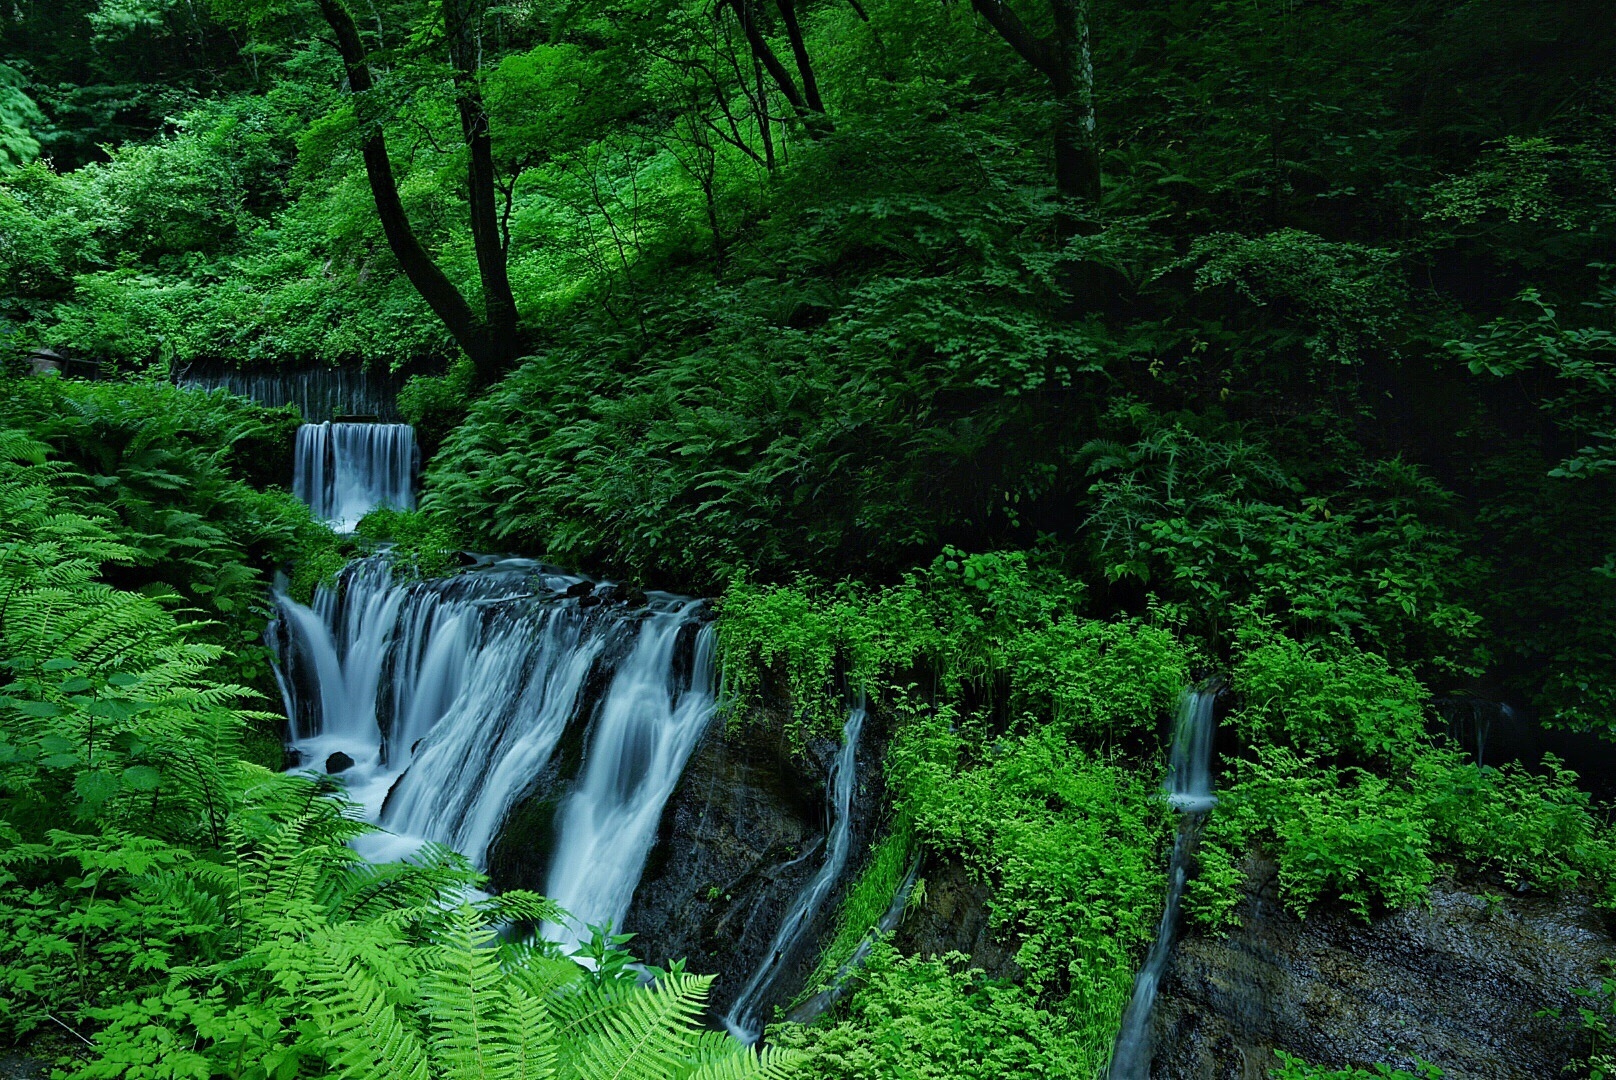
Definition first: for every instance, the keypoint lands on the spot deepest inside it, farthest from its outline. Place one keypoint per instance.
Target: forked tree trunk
(461, 24)
(489, 352)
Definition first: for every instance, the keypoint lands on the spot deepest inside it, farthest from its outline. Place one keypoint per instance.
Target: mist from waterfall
(344, 471)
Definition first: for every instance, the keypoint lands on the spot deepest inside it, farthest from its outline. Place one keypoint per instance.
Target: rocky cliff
(1461, 984)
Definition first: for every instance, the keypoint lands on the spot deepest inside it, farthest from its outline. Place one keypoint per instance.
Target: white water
(647, 727)
(1189, 789)
(344, 471)
(320, 393)
(744, 1020)
(450, 697)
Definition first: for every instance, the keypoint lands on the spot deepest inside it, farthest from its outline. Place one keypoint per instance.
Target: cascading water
(320, 393)
(744, 1021)
(648, 725)
(449, 696)
(344, 471)
(1189, 789)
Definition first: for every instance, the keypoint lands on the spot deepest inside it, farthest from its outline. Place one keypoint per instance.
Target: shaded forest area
(1018, 363)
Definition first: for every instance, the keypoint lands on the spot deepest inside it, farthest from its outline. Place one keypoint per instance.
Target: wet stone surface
(1458, 984)
(741, 836)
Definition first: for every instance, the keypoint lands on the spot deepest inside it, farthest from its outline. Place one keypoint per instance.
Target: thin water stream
(1189, 790)
(745, 1020)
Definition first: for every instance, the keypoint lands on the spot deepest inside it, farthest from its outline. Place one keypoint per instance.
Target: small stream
(1189, 790)
(745, 1020)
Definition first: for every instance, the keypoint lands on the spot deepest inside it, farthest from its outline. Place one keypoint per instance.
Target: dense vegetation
(1279, 345)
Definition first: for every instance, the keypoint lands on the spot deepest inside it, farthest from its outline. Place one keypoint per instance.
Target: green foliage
(1337, 300)
(172, 473)
(1597, 1019)
(923, 1018)
(1060, 833)
(997, 621)
(419, 546)
(20, 120)
(1216, 523)
(1326, 698)
(1376, 842)
(1294, 1068)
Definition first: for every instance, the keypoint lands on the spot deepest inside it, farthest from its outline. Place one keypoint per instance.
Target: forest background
(1062, 352)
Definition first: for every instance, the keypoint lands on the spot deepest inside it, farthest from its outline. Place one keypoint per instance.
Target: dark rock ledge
(1459, 984)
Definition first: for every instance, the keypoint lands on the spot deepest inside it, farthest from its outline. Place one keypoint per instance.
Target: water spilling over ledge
(320, 393)
(1189, 790)
(449, 698)
(344, 471)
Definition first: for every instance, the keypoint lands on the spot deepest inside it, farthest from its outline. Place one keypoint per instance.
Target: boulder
(338, 762)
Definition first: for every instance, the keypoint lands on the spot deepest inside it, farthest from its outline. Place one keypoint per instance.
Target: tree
(1064, 59)
(807, 102)
(490, 340)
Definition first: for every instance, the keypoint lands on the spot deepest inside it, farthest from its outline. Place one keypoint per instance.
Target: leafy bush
(1294, 1068)
(1324, 698)
(921, 1018)
(1376, 842)
(1215, 524)
(1068, 838)
(419, 546)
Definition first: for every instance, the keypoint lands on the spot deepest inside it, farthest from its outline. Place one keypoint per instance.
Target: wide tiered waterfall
(1189, 789)
(344, 471)
(450, 697)
(744, 1019)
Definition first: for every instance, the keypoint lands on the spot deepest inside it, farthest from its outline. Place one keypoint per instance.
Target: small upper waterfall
(1189, 789)
(448, 698)
(344, 471)
(744, 1020)
(320, 393)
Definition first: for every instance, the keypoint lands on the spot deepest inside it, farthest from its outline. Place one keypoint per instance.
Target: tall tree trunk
(746, 14)
(1077, 159)
(1065, 60)
(435, 288)
(461, 24)
(799, 50)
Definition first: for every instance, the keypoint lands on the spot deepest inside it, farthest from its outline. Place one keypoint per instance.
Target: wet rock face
(743, 833)
(1458, 984)
(952, 916)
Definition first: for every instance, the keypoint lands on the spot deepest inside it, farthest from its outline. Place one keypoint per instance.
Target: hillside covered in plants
(879, 539)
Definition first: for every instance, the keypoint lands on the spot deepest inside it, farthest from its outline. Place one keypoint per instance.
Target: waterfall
(1189, 789)
(344, 471)
(449, 697)
(648, 725)
(744, 1020)
(320, 393)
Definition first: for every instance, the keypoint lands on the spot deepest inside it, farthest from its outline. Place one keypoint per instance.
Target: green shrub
(1294, 1068)
(1376, 843)
(919, 1019)
(1324, 697)
(1069, 839)
(420, 545)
